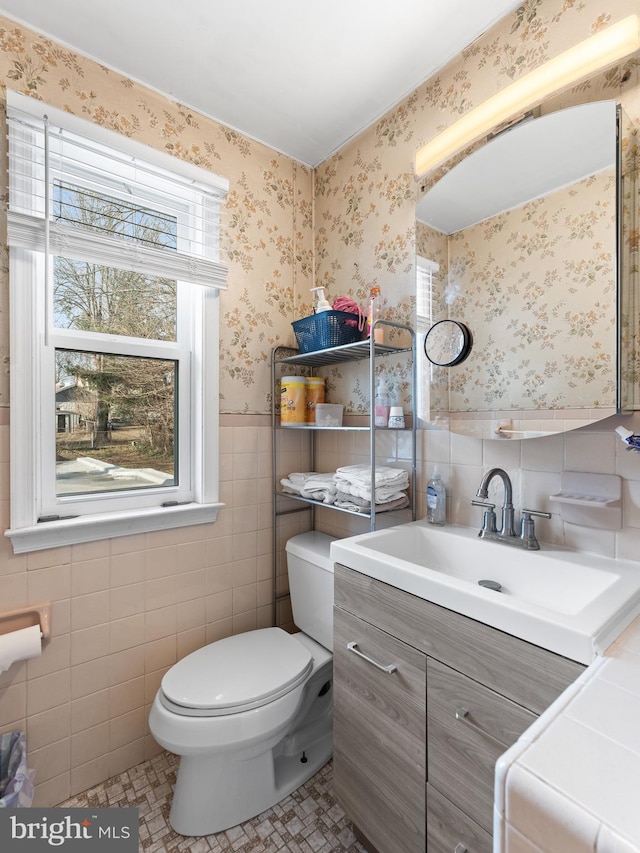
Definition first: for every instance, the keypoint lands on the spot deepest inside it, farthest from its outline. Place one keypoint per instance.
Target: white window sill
(89, 528)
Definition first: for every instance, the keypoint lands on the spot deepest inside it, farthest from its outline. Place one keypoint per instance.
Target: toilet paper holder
(25, 617)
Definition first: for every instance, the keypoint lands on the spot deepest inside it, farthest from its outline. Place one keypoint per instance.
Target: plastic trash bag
(16, 780)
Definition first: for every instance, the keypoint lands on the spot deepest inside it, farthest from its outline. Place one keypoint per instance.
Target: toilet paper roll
(20, 645)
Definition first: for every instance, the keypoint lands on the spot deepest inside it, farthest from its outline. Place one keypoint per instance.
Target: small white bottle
(436, 500)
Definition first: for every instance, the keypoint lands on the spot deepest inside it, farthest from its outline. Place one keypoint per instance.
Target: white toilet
(251, 715)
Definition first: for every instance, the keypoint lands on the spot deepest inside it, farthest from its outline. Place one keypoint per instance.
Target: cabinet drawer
(450, 831)
(529, 675)
(379, 735)
(469, 728)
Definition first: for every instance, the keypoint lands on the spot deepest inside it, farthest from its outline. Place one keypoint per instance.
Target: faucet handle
(489, 520)
(527, 513)
(527, 529)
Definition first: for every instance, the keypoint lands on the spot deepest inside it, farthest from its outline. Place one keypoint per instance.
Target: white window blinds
(425, 292)
(79, 191)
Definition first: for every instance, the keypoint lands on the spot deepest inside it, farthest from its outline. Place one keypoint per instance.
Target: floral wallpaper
(365, 196)
(630, 294)
(267, 218)
(347, 224)
(536, 286)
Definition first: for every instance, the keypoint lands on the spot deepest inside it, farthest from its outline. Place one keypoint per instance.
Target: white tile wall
(570, 785)
(534, 466)
(125, 610)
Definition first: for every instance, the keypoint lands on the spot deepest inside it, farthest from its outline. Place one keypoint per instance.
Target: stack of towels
(350, 487)
(353, 484)
(315, 487)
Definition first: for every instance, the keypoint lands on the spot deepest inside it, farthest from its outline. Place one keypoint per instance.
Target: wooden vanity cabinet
(379, 735)
(415, 748)
(469, 727)
(450, 830)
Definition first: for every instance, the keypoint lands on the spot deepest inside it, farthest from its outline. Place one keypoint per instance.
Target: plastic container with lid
(315, 395)
(329, 414)
(293, 400)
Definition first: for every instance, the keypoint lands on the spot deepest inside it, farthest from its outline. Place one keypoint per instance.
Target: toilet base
(251, 788)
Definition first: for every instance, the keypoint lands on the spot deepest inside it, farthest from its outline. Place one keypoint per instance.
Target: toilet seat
(236, 674)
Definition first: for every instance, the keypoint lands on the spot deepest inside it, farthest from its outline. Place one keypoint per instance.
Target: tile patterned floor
(307, 821)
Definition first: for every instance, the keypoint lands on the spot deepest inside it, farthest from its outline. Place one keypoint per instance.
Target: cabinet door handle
(353, 647)
(462, 715)
(459, 848)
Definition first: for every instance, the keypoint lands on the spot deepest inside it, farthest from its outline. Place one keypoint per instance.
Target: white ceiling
(302, 76)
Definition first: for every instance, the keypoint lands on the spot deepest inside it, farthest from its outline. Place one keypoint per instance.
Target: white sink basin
(570, 603)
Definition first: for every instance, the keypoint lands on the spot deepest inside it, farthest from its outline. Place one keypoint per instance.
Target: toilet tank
(311, 585)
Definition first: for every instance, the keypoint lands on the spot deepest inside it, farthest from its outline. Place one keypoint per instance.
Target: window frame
(426, 272)
(84, 518)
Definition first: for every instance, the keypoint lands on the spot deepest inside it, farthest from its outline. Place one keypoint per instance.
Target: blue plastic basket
(326, 329)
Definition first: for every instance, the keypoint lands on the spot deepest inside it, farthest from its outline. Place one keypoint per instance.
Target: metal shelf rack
(367, 350)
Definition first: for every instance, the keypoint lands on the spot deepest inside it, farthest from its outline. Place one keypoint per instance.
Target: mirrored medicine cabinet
(530, 241)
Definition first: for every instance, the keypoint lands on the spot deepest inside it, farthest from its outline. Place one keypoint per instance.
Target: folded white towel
(384, 494)
(295, 482)
(299, 478)
(315, 487)
(355, 505)
(320, 487)
(355, 481)
(361, 474)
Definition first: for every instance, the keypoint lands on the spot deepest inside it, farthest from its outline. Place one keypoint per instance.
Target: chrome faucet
(507, 534)
(507, 528)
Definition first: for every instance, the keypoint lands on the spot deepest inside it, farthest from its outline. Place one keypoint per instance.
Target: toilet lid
(237, 673)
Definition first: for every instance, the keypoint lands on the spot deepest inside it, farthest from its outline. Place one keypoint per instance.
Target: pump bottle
(436, 500)
(322, 304)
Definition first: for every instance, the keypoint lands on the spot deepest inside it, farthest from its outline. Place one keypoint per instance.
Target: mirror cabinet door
(524, 234)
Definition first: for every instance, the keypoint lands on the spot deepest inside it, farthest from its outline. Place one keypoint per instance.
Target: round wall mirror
(447, 343)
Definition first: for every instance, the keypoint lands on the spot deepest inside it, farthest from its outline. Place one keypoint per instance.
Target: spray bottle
(322, 304)
(375, 313)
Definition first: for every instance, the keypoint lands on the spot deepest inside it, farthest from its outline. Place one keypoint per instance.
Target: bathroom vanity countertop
(568, 602)
(572, 781)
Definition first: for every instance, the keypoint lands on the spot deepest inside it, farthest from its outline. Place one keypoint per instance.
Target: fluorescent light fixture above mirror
(581, 61)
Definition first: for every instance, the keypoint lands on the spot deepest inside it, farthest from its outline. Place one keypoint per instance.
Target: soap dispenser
(436, 500)
(322, 304)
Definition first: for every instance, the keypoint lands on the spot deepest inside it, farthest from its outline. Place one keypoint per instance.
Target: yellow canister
(293, 399)
(315, 394)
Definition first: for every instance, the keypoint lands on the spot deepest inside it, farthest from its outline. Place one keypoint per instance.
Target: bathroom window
(425, 292)
(115, 274)
(426, 311)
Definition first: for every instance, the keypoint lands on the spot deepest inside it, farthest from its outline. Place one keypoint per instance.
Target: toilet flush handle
(353, 647)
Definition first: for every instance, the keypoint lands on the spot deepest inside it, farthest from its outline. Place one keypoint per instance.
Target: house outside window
(115, 273)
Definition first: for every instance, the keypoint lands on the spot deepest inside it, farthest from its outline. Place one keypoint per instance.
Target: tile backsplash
(124, 610)
(534, 465)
